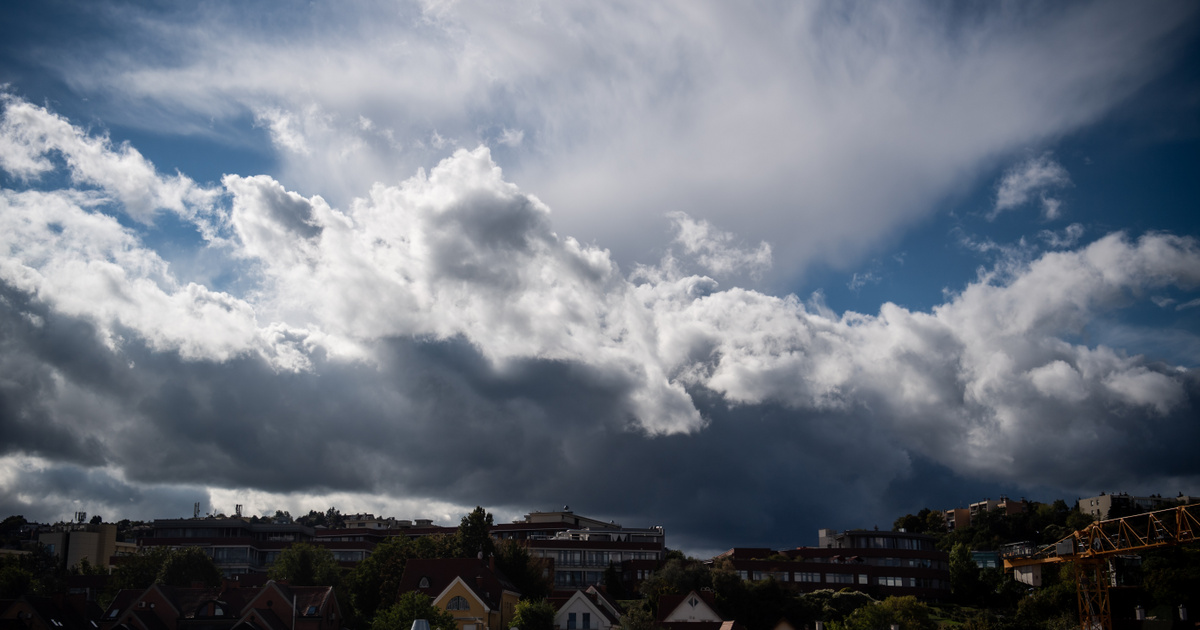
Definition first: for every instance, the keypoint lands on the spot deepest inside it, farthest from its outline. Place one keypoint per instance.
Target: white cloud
(817, 128)
(443, 317)
(30, 136)
(1033, 176)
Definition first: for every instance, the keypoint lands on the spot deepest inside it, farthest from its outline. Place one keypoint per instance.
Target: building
(59, 612)
(695, 611)
(473, 591)
(73, 543)
(269, 607)
(582, 549)
(878, 563)
(964, 517)
(238, 546)
(586, 610)
(1120, 504)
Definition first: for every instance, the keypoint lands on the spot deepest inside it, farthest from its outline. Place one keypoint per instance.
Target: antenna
(80, 517)
(238, 510)
(196, 510)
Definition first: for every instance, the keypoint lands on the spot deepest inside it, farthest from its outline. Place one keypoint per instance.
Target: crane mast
(1091, 548)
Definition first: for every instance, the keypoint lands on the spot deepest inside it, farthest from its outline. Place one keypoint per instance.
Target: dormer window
(312, 611)
(424, 583)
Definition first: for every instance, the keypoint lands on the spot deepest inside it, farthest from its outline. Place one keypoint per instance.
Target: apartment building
(879, 563)
(1117, 504)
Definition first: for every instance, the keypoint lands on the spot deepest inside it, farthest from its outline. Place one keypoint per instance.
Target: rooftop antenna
(196, 510)
(80, 517)
(238, 510)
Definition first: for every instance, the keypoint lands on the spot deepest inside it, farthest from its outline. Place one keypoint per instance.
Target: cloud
(1035, 175)
(817, 128)
(437, 341)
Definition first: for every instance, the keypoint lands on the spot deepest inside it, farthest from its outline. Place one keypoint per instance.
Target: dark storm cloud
(436, 341)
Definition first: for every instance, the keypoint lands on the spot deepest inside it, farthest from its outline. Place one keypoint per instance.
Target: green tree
(676, 577)
(906, 612)
(15, 580)
(410, 607)
(638, 616)
(188, 566)
(534, 615)
(303, 564)
(527, 573)
(373, 583)
(475, 534)
(965, 584)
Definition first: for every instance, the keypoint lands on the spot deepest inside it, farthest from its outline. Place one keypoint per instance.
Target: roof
(591, 596)
(487, 583)
(667, 604)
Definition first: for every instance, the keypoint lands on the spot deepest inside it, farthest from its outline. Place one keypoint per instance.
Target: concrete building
(74, 542)
(1119, 504)
(875, 562)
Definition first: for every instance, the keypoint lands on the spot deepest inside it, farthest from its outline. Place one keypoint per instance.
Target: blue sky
(743, 272)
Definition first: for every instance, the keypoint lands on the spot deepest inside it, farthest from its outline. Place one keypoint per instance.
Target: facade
(963, 517)
(586, 610)
(74, 542)
(1120, 504)
(473, 591)
(878, 563)
(238, 546)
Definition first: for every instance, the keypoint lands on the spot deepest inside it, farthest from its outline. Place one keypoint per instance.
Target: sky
(743, 271)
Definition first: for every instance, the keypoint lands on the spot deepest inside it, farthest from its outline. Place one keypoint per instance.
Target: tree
(527, 573)
(410, 607)
(303, 564)
(374, 582)
(188, 566)
(638, 616)
(474, 535)
(906, 612)
(534, 615)
(97, 520)
(965, 584)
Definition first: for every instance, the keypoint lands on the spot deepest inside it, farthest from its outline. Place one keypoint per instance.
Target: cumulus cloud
(438, 341)
(1038, 175)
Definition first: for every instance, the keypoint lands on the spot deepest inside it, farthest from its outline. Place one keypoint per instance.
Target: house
(49, 613)
(274, 606)
(695, 611)
(473, 591)
(586, 610)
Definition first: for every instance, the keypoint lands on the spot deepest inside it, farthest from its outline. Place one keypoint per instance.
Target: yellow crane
(1091, 548)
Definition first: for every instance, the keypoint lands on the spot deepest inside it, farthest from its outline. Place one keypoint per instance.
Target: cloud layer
(816, 127)
(437, 340)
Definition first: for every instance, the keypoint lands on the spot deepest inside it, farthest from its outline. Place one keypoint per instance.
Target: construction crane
(1091, 549)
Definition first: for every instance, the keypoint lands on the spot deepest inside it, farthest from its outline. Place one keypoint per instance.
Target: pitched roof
(668, 604)
(486, 583)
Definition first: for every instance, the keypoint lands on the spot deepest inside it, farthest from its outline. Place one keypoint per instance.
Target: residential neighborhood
(547, 570)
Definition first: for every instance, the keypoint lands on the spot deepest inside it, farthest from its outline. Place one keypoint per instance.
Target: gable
(458, 588)
(578, 604)
(693, 608)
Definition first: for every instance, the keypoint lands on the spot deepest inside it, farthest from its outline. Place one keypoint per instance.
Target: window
(587, 621)
(807, 576)
(424, 583)
(839, 578)
(571, 621)
(458, 603)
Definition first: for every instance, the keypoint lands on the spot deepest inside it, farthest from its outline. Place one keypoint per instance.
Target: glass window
(570, 621)
(458, 603)
(587, 620)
